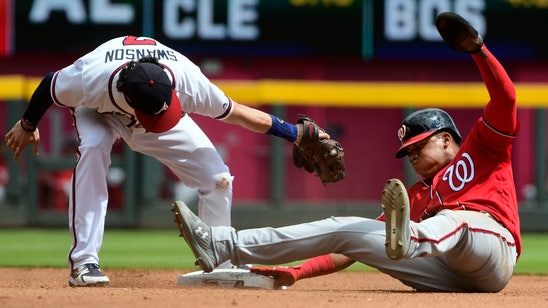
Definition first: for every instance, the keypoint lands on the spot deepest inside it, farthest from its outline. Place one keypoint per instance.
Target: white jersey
(91, 80)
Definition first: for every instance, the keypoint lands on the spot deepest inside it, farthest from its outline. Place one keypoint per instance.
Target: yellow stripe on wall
(337, 93)
(375, 94)
(12, 87)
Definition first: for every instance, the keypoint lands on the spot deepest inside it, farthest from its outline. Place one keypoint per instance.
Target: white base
(227, 278)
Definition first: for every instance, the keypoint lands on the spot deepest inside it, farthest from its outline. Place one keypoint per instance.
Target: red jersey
(479, 178)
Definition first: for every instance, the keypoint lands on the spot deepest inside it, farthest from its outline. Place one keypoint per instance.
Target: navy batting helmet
(422, 124)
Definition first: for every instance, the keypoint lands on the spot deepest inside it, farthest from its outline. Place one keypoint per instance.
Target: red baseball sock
(314, 267)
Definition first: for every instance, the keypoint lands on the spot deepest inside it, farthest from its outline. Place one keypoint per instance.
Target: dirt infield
(38, 287)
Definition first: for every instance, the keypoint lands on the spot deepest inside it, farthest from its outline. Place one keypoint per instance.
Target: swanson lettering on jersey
(138, 53)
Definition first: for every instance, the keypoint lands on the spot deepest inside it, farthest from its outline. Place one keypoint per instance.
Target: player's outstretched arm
(313, 149)
(261, 122)
(501, 110)
(461, 36)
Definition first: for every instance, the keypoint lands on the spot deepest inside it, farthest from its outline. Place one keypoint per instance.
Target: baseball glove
(458, 33)
(323, 157)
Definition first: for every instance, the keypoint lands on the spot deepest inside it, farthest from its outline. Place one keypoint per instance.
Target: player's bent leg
(485, 254)
(96, 134)
(191, 156)
(474, 252)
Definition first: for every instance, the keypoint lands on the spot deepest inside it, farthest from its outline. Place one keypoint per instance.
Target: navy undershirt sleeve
(40, 101)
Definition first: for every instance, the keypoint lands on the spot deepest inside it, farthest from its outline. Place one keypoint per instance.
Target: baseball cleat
(196, 234)
(88, 275)
(458, 33)
(395, 204)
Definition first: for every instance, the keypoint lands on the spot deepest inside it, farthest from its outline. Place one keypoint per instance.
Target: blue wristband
(283, 129)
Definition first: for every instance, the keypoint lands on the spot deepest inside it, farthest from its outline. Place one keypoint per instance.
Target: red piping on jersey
(111, 95)
(73, 196)
(171, 73)
(53, 89)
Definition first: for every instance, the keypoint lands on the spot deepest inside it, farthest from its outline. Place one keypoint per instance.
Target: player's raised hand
(17, 139)
(458, 33)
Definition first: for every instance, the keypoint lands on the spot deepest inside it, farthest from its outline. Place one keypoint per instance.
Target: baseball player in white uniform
(141, 91)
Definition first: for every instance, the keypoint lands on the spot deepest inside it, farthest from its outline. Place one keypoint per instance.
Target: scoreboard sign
(281, 28)
(405, 28)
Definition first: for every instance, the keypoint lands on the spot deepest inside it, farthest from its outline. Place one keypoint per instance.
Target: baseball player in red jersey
(141, 91)
(456, 230)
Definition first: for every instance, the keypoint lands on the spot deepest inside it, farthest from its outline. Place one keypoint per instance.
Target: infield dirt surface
(45, 287)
